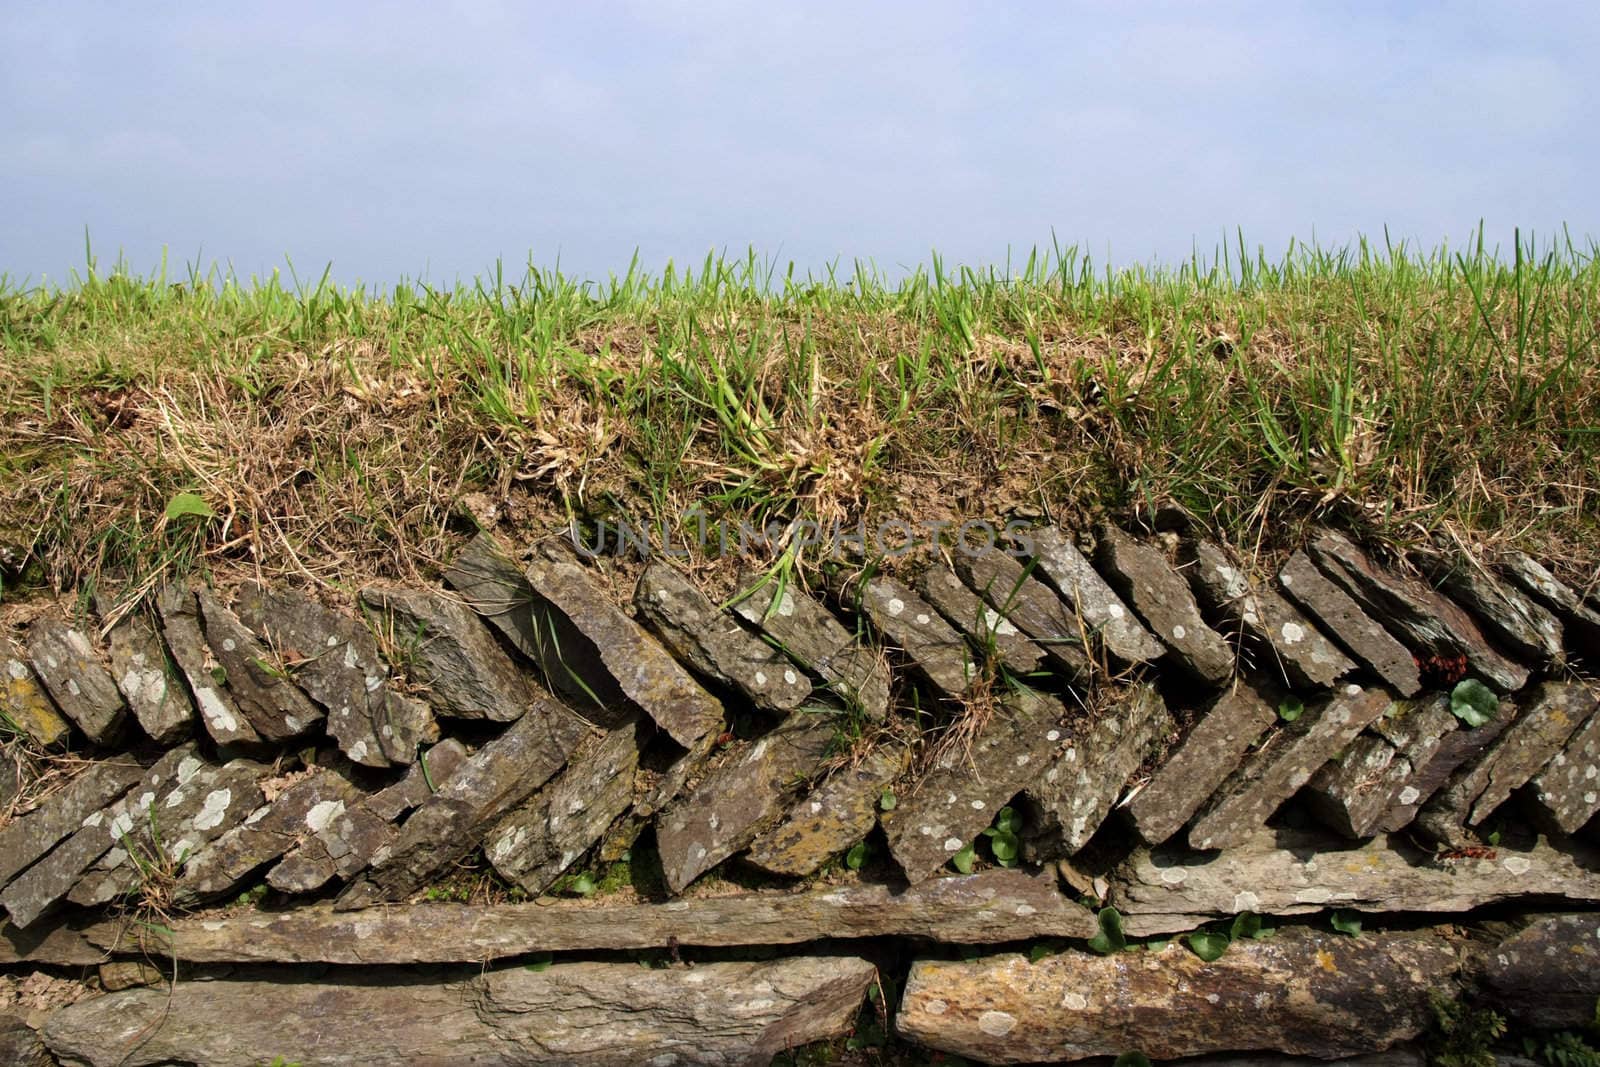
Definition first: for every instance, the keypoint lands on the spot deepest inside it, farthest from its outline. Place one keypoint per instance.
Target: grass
(1407, 394)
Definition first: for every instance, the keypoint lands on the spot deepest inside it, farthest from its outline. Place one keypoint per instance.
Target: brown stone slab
(809, 635)
(1354, 791)
(1066, 570)
(1582, 621)
(148, 682)
(68, 665)
(1348, 624)
(1566, 794)
(1521, 624)
(1163, 599)
(1030, 605)
(936, 649)
(1547, 975)
(27, 837)
(24, 702)
(180, 625)
(832, 817)
(989, 632)
(258, 679)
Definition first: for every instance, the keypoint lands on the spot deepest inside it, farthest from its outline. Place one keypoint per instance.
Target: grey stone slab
(839, 812)
(1030, 605)
(258, 680)
(1162, 598)
(25, 702)
(1351, 626)
(1582, 621)
(1200, 763)
(450, 651)
(1454, 748)
(1429, 622)
(432, 768)
(80, 685)
(742, 796)
(1547, 975)
(990, 633)
(810, 636)
(491, 582)
(1284, 641)
(1522, 625)
(1283, 763)
(965, 785)
(1354, 791)
(30, 836)
(1566, 793)
(1076, 792)
(936, 649)
(149, 684)
(713, 643)
(1070, 574)
(180, 624)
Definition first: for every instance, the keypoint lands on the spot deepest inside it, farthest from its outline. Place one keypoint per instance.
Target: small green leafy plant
(1291, 708)
(1473, 702)
(1110, 938)
(1346, 922)
(1462, 1036)
(1004, 843)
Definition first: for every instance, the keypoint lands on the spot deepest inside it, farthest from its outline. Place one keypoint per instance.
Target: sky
(427, 140)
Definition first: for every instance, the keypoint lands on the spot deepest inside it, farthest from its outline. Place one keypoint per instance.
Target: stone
(1303, 991)
(1201, 762)
(633, 661)
(71, 671)
(1162, 598)
(967, 783)
(431, 770)
(1283, 640)
(840, 811)
(59, 944)
(1547, 975)
(27, 837)
(809, 635)
(337, 663)
(989, 907)
(1426, 620)
(149, 684)
(1070, 574)
(589, 1013)
(1552, 712)
(1582, 621)
(1030, 606)
(1075, 794)
(990, 634)
(1293, 872)
(540, 838)
(180, 624)
(25, 703)
(31, 894)
(116, 975)
(1353, 792)
(742, 796)
(492, 584)
(453, 821)
(1283, 763)
(20, 1045)
(1454, 748)
(713, 643)
(260, 683)
(935, 648)
(1352, 627)
(1522, 625)
(1566, 793)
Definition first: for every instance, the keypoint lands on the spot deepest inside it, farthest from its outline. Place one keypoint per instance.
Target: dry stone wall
(858, 775)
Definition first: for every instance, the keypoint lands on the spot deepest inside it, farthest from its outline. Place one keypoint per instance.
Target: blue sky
(429, 139)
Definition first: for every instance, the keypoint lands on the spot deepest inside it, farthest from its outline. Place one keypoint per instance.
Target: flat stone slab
(454, 820)
(989, 632)
(63, 945)
(1163, 599)
(1031, 606)
(962, 790)
(536, 841)
(1352, 627)
(1283, 763)
(451, 652)
(337, 663)
(1582, 622)
(570, 1013)
(1306, 992)
(149, 684)
(835, 815)
(1428, 776)
(1354, 791)
(1427, 620)
(1566, 794)
(1521, 624)
(713, 643)
(809, 635)
(81, 686)
(1548, 974)
(1071, 575)
(491, 582)
(742, 796)
(180, 624)
(25, 703)
(988, 907)
(936, 649)
(1285, 642)
(1201, 762)
(432, 768)
(1296, 873)
(260, 685)
(61, 814)
(646, 675)
(1077, 790)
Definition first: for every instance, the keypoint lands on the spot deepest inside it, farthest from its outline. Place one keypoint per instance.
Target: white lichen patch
(213, 809)
(997, 1023)
(323, 813)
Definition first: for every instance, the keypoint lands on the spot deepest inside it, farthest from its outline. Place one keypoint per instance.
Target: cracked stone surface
(832, 817)
(1566, 793)
(30, 836)
(1428, 621)
(1352, 627)
(1290, 872)
(71, 671)
(741, 797)
(809, 635)
(988, 631)
(1162, 598)
(1071, 575)
(431, 770)
(1284, 641)
(1076, 792)
(1582, 621)
(147, 681)
(935, 648)
(1283, 763)
(1200, 763)
(1454, 748)
(1303, 991)
(1548, 975)
(337, 663)
(1354, 791)
(490, 581)
(962, 790)
(25, 703)
(583, 1013)
(1030, 605)
(1518, 621)
(180, 623)
(713, 643)
(274, 705)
